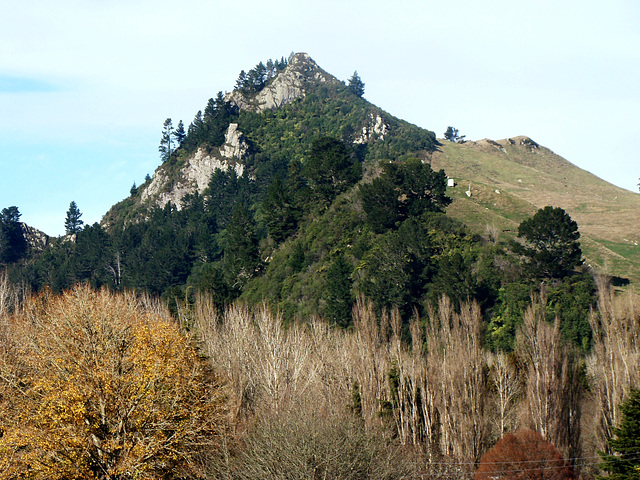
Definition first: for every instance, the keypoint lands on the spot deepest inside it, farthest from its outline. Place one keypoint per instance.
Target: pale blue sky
(85, 85)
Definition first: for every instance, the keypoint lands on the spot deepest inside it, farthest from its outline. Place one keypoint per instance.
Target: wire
(634, 456)
(568, 463)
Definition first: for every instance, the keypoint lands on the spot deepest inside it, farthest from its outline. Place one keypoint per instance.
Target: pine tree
(242, 254)
(179, 134)
(624, 461)
(551, 243)
(279, 211)
(338, 294)
(195, 132)
(331, 168)
(165, 142)
(13, 245)
(242, 81)
(356, 85)
(73, 224)
(452, 134)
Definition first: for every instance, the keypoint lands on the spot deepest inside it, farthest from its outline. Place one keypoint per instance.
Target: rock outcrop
(375, 129)
(36, 239)
(195, 174)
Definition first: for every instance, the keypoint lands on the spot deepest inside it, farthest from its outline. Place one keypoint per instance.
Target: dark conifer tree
(551, 246)
(242, 82)
(242, 255)
(339, 296)
(166, 144)
(73, 224)
(623, 463)
(381, 204)
(280, 213)
(195, 132)
(271, 69)
(331, 168)
(13, 245)
(179, 134)
(356, 85)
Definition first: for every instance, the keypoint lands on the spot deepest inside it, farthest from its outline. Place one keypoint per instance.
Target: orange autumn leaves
(96, 385)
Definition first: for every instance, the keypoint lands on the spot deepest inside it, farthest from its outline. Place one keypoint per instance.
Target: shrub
(524, 455)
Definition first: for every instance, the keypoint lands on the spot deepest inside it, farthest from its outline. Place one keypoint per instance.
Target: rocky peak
(292, 83)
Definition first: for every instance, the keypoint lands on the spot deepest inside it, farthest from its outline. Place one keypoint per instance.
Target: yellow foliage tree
(96, 386)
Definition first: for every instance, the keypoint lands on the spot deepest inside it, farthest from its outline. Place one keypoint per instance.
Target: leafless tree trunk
(614, 366)
(553, 394)
(507, 385)
(454, 343)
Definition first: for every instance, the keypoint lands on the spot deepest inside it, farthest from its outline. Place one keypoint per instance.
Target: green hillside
(510, 179)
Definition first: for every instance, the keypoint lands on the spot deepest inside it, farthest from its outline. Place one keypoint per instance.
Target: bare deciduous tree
(553, 393)
(507, 385)
(613, 365)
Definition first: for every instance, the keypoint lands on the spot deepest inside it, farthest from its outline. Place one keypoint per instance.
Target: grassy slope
(529, 177)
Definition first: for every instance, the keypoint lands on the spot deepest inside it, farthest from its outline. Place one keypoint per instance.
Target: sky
(85, 85)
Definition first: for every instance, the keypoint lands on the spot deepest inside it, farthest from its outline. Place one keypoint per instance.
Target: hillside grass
(511, 179)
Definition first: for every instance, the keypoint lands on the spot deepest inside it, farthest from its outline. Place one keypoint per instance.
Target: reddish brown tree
(524, 455)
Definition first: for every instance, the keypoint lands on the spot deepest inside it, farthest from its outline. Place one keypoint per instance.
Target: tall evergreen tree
(624, 461)
(195, 132)
(179, 134)
(166, 143)
(401, 191)
(242, 82)
(381, 204)
(279, 211)
(72, 223)
(13, 245)
(452, 134)
(339, 297)
(551, 243)
(331, 168)
(242, 255)
(356, 85)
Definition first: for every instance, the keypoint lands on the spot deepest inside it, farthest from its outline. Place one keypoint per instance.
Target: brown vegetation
(524, 455)
(99, 385)
(433, 390)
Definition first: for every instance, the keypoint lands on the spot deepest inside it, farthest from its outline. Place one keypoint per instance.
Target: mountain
(268, 126)
(294, 190)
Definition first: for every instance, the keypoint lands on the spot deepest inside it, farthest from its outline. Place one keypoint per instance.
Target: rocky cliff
(194, 175)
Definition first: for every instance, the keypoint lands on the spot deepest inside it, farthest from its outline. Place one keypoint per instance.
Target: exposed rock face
(196, 173)
(286, 87)
(375, 129)
(234, 145)
(36, 239)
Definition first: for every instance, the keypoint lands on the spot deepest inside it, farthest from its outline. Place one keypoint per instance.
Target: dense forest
(339, 304)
